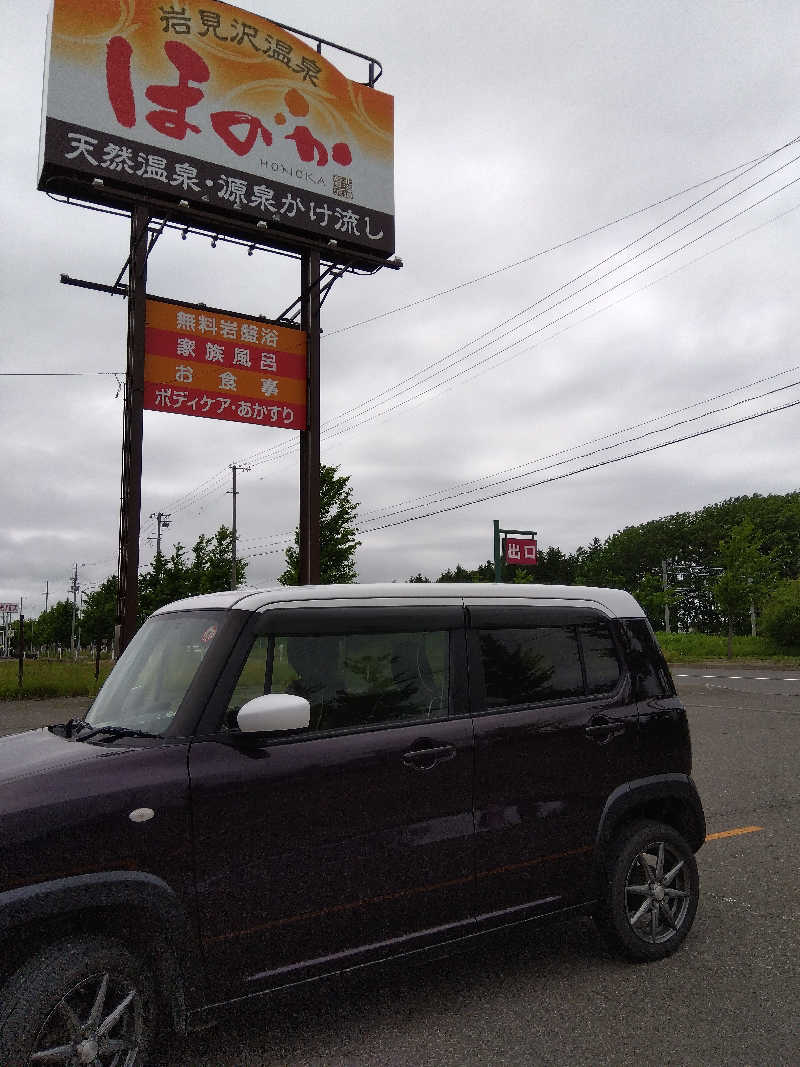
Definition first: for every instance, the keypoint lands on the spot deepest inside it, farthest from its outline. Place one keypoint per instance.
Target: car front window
(148, 684)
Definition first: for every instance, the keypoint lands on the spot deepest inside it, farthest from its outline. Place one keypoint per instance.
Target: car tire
(87, 997)
(651, 892)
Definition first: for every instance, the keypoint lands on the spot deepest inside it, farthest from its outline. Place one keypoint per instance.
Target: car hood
(39, 752)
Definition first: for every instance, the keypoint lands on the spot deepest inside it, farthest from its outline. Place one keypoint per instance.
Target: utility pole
(74, 611)
(234, 494)
(666, 591)
(162, 519)
(46, 594)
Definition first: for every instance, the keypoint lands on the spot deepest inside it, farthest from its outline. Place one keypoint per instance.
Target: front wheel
(651, 892)
(81, 1001)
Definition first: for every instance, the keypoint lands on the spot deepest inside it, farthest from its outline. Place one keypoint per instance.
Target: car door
(352, 838)
(555, 733)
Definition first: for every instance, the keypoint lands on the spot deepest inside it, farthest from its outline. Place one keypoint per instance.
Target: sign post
(514, 551)
(131, 488)
(221, 121)
(309, 559)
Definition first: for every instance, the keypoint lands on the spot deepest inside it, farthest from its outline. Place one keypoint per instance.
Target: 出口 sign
(209, 104)
(520, 551)
(217, 365)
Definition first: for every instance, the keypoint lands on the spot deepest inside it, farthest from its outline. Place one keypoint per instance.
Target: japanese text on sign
(220, 366)
(521, 551)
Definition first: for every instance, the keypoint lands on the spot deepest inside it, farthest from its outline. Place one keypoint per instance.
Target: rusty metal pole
(309, 565)
(131, 481)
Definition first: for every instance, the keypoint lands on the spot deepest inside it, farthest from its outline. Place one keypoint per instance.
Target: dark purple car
(278, 785)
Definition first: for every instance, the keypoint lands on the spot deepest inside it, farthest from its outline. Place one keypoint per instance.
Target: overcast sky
(515, 131)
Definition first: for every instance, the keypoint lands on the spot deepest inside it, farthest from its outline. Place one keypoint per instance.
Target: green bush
(780, 619)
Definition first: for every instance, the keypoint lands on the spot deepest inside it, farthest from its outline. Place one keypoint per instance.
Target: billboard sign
(520, 551)
(225, 110)
(217, 365)
(9, 609)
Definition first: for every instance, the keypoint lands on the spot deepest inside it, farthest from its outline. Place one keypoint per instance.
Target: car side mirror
(274, 711)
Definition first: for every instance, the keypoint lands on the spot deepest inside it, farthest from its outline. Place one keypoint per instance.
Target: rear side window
(530, 665)
(599, 657)
(648, 665)
(548, 663)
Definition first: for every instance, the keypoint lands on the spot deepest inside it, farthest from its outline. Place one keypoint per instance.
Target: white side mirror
(274, 711)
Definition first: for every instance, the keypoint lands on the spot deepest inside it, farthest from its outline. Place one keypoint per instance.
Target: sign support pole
(310, 303)
(131, 482)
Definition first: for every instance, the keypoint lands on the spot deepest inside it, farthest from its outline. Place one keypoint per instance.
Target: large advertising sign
(206, 103)
(217, 365)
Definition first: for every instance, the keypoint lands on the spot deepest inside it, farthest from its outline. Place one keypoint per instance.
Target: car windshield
(147, 685)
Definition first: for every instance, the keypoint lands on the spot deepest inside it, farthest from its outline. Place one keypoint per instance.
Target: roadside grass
(693, 648)
(67, 678)
(44, 678)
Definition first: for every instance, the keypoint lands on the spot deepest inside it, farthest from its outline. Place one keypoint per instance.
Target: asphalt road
(730, 996)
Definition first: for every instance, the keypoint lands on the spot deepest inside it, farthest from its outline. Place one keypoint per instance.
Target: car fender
(670, 797)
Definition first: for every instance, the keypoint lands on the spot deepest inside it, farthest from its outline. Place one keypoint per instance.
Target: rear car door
(353, 838)
(555, 733)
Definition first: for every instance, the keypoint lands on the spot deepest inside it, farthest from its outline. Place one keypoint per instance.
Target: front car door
(350, 839)
(555, 733)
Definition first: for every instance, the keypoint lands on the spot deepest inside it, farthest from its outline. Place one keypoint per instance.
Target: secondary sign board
(9, 609)
(520, 551)
(219, 108)
(218, 365)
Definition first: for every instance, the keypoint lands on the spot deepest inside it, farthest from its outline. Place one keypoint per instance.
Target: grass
(51, 678)
(693, 648)
(66, 678)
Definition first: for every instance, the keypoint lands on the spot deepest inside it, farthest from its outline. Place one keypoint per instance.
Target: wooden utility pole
(131, 488)
(309, 565)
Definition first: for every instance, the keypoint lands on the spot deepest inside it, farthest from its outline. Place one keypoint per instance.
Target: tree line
(713, 570)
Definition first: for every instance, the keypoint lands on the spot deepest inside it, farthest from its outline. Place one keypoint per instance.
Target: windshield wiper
(72, 726)
(115, 731)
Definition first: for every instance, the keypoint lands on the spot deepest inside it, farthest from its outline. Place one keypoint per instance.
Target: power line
(493, 480)
(339, 423)
(427, 373)
(561, 244)
(583, 470)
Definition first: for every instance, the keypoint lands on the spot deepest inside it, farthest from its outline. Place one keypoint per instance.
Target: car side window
(647, 663)
(599, 657)
(351, 680)
(251, 682)
(525, 666)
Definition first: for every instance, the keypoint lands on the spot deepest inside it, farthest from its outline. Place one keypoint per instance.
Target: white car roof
(616, 602)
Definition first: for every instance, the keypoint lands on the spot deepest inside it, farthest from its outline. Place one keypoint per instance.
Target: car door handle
(602, 730)
(426, 757)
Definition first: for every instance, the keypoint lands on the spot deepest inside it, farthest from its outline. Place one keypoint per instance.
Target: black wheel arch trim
(178, 959)
(641, 793)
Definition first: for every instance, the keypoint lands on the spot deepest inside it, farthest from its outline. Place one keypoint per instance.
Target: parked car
(277, 785)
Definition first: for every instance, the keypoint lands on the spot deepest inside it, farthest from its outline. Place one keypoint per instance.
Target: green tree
(100, 612)
(207, 571)
(54, 626)
(338, 540)
(780, 619)
(746, 575)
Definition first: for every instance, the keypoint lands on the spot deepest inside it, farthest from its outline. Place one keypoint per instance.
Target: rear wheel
(80, 1001)
(651, 893)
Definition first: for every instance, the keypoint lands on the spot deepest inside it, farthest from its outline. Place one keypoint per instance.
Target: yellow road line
(734, 833)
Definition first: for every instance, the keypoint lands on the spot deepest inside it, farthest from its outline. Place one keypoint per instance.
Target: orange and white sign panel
(208, 103)
(217, 365)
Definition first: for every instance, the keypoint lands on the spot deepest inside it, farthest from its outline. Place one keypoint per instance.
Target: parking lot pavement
(19, 715)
